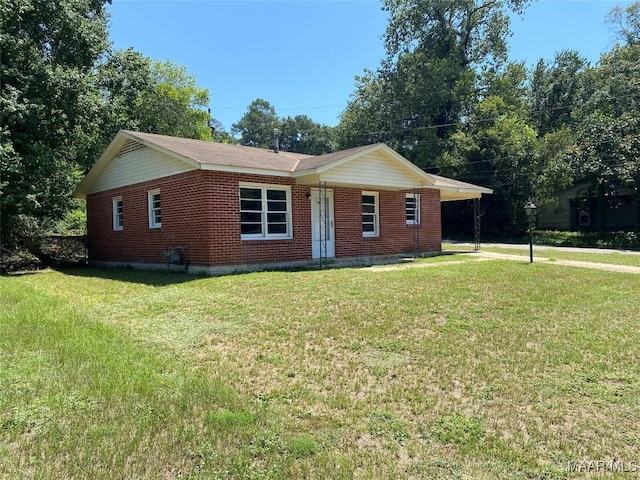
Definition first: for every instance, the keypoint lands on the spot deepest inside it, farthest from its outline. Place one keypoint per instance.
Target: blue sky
(302, 56)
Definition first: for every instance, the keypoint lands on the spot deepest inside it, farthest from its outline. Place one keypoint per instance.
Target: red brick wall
(185, 221)
(395, 236)
(201, 210)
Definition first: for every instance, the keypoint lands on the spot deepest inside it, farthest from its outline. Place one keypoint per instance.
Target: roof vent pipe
(276, 140)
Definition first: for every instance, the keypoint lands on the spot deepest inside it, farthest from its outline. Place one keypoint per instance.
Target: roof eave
(484, 190)
(250, 170)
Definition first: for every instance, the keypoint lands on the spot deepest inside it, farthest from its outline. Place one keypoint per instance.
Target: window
(584, 219)
(155, 212)
(412, 208)
(118, 218)
(369, 214)
(265, 211)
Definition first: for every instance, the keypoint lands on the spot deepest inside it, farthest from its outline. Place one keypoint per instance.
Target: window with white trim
(265, 211)
(155, 210)
(412, 208)
(118, 216)
(370, 221)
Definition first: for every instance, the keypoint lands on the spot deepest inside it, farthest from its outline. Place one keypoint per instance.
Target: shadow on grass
(153, 278)
(161, 278)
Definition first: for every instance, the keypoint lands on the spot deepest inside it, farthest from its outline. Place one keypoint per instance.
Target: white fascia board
(249, 170)
(468, 196)
(447, 188)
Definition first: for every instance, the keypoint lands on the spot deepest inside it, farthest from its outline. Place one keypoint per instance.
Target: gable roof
(387, 167)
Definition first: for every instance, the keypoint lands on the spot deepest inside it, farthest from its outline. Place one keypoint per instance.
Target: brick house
(154, 200)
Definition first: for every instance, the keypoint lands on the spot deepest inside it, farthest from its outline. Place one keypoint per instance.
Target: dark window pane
(250, 217)
(250, 193)
(250, 205)
(368, 227)
(251, 228)
(368, 209)
(277, 217)
(276, 194)
(277, 206)
(368, 218)
(368, 199)
(278, 228)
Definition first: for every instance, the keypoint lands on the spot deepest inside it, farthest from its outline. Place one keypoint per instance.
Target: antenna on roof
(276, 140)
(211, 123)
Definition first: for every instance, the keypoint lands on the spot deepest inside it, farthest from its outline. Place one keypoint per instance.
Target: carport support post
(476, 223)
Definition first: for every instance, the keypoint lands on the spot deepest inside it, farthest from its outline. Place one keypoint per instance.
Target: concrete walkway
(484, 256)
(567, 263)
(542, 248)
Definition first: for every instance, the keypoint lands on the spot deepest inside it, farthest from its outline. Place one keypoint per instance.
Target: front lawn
(461, 369)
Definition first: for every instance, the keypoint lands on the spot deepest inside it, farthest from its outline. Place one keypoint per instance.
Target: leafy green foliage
(256, 126)
(607, 152)
(64, 95)
(300, 134)
(422, 90)
(297, 134)
(151, 96)
(48, 104)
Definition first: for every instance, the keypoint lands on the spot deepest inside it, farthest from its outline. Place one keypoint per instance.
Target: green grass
(461, 369)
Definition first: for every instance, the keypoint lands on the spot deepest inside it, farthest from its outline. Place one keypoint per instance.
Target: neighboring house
(577, 209)
(154, 200)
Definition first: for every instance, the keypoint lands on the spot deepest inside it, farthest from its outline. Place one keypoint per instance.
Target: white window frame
(375, 213)
(265, 235)
(153, 221)
(416, 209)
(118, 214)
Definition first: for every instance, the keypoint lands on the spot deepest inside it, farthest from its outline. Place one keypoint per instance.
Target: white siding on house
(136, 166)
(375, 170)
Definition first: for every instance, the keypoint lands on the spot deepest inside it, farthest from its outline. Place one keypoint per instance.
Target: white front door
(323, 233)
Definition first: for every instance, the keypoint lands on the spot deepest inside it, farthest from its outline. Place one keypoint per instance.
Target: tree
(174, 105)
(556, 91)
(64, 95)
(496, 149)
(626, 20)
(150, 96)
(256, 126)
(49, 106)
(428, 82)
(300, 134)
(607, 148)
